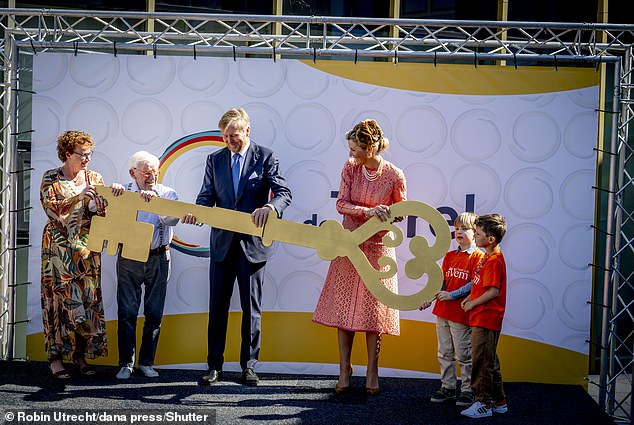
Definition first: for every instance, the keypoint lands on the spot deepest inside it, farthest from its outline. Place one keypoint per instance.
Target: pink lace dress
(345, 302)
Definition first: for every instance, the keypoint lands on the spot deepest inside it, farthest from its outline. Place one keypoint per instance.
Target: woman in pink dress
(369, 185)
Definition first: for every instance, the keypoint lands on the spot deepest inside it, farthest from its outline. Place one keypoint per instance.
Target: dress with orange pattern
(72, 305)
(345, 302)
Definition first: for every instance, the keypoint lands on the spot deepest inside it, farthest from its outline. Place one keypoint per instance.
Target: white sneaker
(500, 407)
(148, 371)
(124, 373)
(477, 410)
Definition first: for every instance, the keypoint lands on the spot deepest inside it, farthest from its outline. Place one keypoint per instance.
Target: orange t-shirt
(458, 268)
(490, 272)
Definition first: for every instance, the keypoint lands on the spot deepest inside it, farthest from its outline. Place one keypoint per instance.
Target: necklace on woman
(375, 175)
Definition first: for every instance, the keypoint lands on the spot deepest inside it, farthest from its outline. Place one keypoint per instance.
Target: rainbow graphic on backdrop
(175, 150)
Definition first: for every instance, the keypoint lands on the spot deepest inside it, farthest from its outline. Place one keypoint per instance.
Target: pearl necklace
(373, 176)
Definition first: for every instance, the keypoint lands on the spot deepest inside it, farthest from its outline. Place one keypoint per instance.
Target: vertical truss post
(7, 219)
(609, 284)
(10, 193)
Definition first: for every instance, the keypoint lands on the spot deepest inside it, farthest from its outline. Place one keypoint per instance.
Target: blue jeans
(131, 275)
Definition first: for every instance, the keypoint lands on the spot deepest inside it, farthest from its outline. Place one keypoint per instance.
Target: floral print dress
(72, 305)
(345, 302)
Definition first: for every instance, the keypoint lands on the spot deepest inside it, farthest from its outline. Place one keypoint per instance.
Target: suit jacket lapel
(249, 165)
(225, 169)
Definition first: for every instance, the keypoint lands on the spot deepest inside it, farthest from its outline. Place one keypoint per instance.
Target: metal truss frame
(29, 31)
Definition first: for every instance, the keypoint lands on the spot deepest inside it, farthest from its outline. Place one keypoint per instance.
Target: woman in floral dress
(369, 185)
(72, 307)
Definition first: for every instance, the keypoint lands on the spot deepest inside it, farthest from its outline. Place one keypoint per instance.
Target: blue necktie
(235, 172)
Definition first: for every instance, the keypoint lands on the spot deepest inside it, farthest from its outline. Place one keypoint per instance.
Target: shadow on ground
(285, 399)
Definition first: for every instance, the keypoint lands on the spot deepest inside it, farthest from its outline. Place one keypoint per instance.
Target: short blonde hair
(466, 219)
(234, 116)
(67, 142)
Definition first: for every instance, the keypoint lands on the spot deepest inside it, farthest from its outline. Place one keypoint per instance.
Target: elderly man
(154, 273)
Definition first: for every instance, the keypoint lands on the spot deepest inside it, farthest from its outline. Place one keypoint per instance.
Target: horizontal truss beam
(330, 36)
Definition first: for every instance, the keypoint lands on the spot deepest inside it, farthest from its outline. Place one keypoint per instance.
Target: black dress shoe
(211, 377)
(249, 377)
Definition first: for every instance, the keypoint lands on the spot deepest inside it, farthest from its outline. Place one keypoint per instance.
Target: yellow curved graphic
(462, 79)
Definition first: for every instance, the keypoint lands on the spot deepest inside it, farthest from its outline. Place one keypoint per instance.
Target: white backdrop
(529, 157)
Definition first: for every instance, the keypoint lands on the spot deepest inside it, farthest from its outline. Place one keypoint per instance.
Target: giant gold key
(330, 239)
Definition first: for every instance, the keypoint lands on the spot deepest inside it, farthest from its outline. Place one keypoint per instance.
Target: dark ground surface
(281, 399)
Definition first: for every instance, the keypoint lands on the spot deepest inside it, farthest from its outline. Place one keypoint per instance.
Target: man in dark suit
(238, 177)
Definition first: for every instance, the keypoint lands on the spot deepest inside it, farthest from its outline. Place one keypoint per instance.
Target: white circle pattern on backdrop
(300, 290)
(527, 248)
(476, 178)
(98, 74)
(575, 140)
(146, 79)
(216, 75)
(190, 294)
(305, 82)
(85, 110)
(310, 127)
(266, 123)
(148, 110)
(576, 195)
(586, 98)
(476, 100)
(573, 246)
(528, 301)
(573, 313)
(103, 164)
(48, 113)
(431, 185)
(369, 91)
(475, 135)
(528, 193)
(310, 185)
(200, 115)
(529, 127)
(539, 100)
(56, 71)
(188, 168)
(259, 81)
(422, 129)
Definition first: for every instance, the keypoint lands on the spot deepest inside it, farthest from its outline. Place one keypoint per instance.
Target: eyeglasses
(86, 155)
(148, 174)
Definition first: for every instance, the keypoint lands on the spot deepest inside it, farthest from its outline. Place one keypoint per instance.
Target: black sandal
(61, 374)
(86, 370)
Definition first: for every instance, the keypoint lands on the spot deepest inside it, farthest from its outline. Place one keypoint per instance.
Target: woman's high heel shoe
(339, 389)
(372, 391)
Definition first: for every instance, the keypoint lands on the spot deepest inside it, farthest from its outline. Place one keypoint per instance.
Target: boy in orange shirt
(486, 306)
(452, 322)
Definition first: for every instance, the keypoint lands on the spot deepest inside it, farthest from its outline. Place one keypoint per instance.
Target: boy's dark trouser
(486, 378)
